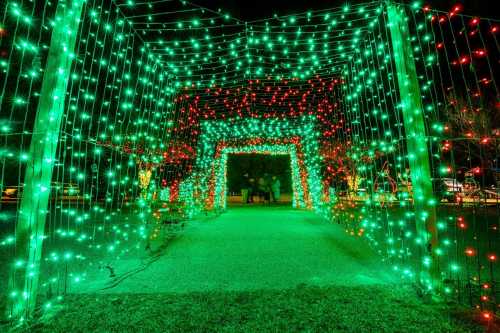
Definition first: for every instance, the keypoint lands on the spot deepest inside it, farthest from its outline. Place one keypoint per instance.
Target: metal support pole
(416, 142)
(30, 230)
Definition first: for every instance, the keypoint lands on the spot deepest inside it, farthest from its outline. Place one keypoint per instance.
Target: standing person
(267, 188)
(244, 188)
(261, 185)
(251, 189)
(275, 188)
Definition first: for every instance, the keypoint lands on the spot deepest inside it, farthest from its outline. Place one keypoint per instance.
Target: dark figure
(251, 189)
(262, 186)
(245, 189)
(267, 188)
(275, 189)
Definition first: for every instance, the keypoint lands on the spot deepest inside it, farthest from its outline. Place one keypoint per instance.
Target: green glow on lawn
(111, 112)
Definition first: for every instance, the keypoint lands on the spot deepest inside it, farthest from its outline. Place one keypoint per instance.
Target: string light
(157, 97)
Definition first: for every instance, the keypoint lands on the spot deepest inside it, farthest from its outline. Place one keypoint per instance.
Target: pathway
(258, 248)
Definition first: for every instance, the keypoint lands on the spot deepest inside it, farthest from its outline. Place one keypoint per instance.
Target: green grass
(376, 308)
(255, 270)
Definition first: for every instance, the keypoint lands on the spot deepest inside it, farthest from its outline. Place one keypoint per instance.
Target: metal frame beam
(30, 229)
(416, 141)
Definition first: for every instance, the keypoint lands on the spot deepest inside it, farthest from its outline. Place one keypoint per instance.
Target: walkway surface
(256, 270)
(257, 248)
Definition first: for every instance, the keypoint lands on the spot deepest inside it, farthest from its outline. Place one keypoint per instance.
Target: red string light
(480, 53)
(487, 315)
(455, 10)
(474, 21)
(470, 252)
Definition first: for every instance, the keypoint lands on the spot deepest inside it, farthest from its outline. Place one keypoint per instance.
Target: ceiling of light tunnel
(203, 48)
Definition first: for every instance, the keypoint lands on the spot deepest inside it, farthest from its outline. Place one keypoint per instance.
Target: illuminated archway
(208, 181)
(299, 199)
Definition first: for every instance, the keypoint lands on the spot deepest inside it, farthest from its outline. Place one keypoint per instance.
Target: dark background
(256, 165)
(258, 9)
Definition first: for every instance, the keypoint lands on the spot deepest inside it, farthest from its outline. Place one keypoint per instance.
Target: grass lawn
(254, 269)
(376, 308)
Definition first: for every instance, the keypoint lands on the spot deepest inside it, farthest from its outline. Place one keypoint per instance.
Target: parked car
(363, 188)
(60, 191)
(11, 193)
(65, 189)
(448, 189)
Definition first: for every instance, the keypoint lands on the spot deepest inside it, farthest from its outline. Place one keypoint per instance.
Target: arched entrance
(295, 137)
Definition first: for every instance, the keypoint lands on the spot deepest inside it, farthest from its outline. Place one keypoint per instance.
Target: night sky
(258, 9)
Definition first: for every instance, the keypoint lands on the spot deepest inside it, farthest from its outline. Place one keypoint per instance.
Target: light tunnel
(117, 116)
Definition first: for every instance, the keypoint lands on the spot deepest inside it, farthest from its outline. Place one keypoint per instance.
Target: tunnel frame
(51, 109)
(213, 133)
(299, 198)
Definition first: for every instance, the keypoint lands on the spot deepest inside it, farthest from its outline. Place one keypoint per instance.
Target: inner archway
(298, 174)
(295, 137)
(244, 171)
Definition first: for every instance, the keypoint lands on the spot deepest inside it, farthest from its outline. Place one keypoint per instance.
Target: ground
(249, 270)
(253, 248)
(376, 308)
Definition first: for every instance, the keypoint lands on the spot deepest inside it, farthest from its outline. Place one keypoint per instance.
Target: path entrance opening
(254, 179)
(295, 137)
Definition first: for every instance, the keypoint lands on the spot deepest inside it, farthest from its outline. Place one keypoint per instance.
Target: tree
(474, 132)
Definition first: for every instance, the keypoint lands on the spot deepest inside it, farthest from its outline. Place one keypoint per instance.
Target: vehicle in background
(11, 193)
(404, 191)
(363, 188)
(60, 191)
(448, 189)
(65, 190)
(492, 192)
